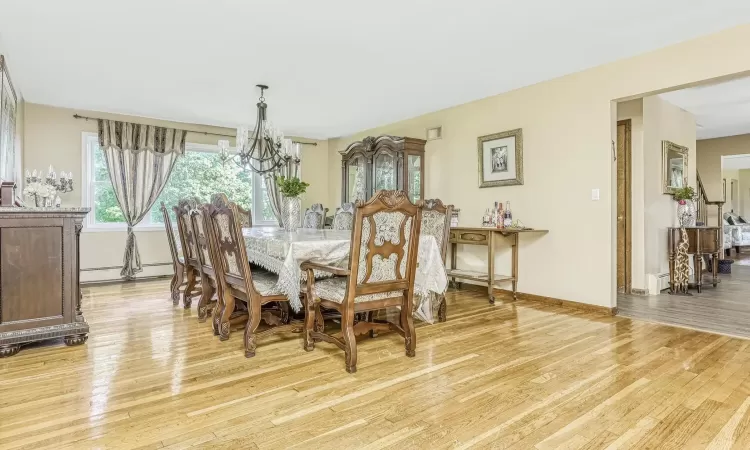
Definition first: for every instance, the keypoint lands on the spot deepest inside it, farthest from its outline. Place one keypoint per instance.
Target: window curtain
(290, 169)
(139, 159)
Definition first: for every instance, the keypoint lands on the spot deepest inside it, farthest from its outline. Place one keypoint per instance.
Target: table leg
(715, 261)
(491, 267)
(698, 267)
(514, 274)
(454, 260)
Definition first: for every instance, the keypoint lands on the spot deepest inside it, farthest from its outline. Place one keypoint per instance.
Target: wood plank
(520, 374)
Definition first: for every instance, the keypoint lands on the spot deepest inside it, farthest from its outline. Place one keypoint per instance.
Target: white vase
(291, 208)
(686, 213)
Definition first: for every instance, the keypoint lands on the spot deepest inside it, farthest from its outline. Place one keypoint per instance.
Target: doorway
(623, 155)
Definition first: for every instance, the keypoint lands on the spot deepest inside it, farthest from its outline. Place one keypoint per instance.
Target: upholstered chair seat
(334, 290)
(265, 283)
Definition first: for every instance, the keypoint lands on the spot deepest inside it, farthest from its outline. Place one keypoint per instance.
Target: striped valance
(136, 137)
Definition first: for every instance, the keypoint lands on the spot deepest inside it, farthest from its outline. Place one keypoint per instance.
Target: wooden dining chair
(236, 279)
(436, 222)
(315, 216)
(178, 263)
(245, 214)
(343, 218)
(246, 217)
(382, 267)
(187, 242)
(206, 261)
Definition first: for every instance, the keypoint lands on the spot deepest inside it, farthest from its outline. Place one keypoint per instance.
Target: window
(198, 173)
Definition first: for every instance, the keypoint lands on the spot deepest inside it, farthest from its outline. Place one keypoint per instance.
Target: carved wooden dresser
(39, 277)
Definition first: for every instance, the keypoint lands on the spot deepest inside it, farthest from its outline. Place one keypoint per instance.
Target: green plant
(684, 193)
(291, 187)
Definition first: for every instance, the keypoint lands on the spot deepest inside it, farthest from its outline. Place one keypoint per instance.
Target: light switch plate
(595, 194)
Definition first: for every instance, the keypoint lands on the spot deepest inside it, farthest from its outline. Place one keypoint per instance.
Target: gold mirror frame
(518, 134)
(667, 147)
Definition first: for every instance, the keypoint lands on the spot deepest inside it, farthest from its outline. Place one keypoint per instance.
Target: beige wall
(709, 155)
(568, 128)
(662, 121)
(53, 136)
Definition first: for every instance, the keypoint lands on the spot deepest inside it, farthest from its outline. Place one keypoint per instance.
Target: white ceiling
(720, 110)
(334, 66)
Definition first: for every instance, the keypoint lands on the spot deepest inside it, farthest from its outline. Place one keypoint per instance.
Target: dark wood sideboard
(40, 297)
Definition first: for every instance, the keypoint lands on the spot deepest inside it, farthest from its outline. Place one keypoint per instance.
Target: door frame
(625, 246)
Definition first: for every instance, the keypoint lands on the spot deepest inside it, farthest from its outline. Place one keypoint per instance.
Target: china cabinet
(383, 162)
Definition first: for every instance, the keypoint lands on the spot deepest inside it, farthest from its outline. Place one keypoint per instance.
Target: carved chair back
(315, 216)
(185, 230)
(203, 244)
(174, 248)
(385, 240)
(246, 215)
(436, 222)
(343, 218)
(232, 266)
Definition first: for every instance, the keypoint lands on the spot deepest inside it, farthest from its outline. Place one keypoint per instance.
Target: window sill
(96, 229)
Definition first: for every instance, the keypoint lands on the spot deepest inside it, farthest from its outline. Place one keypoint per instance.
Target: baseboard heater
(657, 282)
(93, 269)
(106, 275)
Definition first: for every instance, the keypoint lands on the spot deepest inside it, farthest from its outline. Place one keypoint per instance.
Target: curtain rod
(205, 133)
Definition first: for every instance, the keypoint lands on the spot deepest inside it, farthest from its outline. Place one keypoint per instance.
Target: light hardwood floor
(517, 375)
(742, 258)
(724, 309)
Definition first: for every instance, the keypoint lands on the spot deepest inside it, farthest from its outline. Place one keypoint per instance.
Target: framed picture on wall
(501, 159)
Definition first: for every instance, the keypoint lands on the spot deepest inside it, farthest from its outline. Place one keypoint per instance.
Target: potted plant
(686, 213)
(291, 204)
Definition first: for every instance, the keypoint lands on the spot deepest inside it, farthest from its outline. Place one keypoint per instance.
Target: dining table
(282, 253)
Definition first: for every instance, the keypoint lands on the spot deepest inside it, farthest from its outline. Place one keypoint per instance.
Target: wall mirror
(674, 166)
(7, 125)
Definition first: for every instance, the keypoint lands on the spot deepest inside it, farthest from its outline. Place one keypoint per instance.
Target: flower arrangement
(291, 187)
(39, 189)
(684, 193)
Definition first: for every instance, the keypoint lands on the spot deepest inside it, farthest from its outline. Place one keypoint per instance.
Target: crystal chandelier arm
(265, 152)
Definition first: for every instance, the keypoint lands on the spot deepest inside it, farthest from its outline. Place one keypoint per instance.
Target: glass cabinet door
(385, 171)
(356, 181)
(414, 177)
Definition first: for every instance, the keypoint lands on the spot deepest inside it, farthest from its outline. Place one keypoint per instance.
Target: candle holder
(45, 191)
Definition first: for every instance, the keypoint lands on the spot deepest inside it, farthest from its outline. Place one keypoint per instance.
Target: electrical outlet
(595, 194)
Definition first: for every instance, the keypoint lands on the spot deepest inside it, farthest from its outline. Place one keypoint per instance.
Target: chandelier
(264, 148)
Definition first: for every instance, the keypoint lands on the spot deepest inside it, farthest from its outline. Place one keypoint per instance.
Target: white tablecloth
(281, 252)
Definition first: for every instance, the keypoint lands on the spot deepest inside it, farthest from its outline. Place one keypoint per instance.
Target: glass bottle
(508, 218)
(500, 214)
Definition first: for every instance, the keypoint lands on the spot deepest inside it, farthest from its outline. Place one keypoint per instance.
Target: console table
(40, 297)
(487, 237)
(701, 241)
